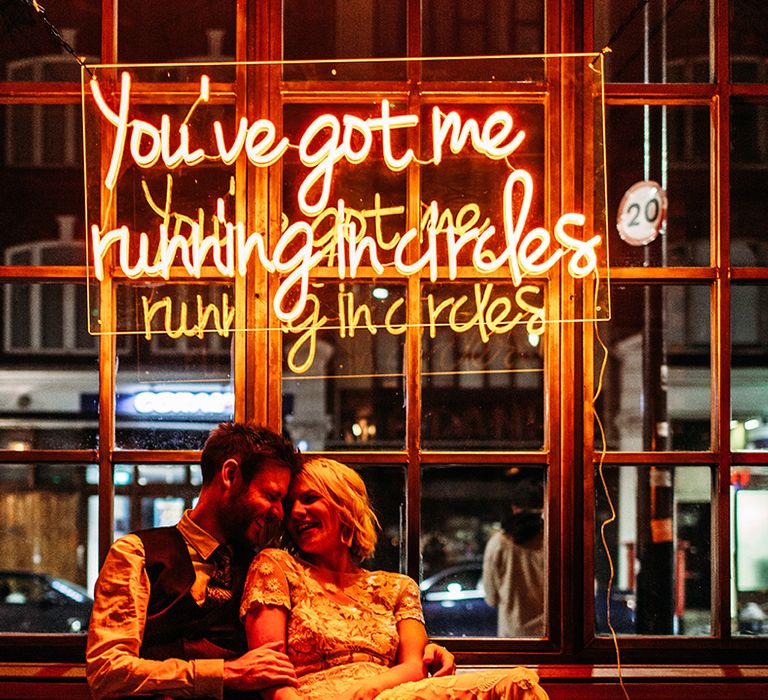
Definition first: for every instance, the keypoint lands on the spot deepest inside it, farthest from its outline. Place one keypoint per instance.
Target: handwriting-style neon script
(488, 313)
(323, 144)
(328, 140)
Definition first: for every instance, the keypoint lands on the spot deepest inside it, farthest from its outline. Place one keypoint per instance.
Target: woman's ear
(347, 535)
(230, 471)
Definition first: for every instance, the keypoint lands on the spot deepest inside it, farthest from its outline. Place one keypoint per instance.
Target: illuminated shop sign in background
(165, 208)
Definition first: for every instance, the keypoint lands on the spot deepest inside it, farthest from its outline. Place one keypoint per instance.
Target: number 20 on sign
(641, 213)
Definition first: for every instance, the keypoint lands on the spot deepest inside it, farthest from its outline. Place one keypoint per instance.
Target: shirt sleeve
(408, 606)
(267, 583)
(113, 665)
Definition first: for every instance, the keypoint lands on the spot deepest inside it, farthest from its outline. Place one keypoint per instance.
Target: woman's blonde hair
(345, 489)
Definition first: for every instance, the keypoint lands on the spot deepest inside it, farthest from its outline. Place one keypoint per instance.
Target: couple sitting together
(175, 613)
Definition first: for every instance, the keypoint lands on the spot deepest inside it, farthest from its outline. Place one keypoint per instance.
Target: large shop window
(645, 507)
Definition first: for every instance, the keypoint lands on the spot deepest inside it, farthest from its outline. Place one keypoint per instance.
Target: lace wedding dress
(338, 636)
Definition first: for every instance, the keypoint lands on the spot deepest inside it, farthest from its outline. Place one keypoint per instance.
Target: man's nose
(277, 510)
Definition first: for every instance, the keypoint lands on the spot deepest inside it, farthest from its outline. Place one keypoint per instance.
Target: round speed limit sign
(641, 212)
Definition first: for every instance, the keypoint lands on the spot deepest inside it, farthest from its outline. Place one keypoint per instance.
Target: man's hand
(438, 660)
(259, 668)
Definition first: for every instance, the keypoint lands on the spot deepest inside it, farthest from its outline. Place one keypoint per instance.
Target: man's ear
(230, 471)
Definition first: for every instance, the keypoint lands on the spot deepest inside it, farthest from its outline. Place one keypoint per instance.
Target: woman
(350, 633)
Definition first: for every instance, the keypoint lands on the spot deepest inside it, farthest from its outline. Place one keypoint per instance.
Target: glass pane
(386, 489)
(666, 42)
(663, 144)
(470, 191)
(661, 550)
(162, 492)
(343, 385)
(749, 367)
(41, 177)
(749, 550)
(483, 552)
(325, 29)
(483, 389)
(48, 369)
(748, 43)
(162, 512)
(656, 385)
(188, 201)
(43, 548)
(372, 193)
(483, 27)
(157, 32)
(28, 51)
(172, 389)
(749, 180)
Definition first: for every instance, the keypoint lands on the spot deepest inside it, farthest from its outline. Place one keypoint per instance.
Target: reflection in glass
(27, 51)
(749, 181)
(482, 28)
(749, 550)
(660, 546)
(160, 492)
(374, 196)
(43, 548)
(151, 32)
(48, 368)
(470, 191)
(749, 366)
(748, 29)
(171, 391)
(665, 43)
(663, 144)
(483, 554)
(656, 387)
(42, 185)
(386, 489)
(483, 388)
(324, 29)
(343, 376)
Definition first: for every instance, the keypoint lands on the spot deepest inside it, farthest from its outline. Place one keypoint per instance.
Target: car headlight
(75, 624)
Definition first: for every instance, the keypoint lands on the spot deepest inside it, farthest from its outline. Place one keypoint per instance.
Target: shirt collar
(200, 540)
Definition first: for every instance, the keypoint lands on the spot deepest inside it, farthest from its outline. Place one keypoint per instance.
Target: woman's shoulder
(276, 556)
(392, 579)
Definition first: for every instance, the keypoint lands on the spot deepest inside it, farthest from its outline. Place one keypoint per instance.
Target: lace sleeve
(267, 583)
(408, 606)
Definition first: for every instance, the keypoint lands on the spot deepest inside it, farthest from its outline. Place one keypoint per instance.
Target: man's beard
(238, 523)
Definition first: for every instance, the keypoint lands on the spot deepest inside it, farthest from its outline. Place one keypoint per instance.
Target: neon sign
(329, 231)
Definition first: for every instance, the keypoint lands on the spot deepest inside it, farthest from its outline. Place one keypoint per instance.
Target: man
(165, 613)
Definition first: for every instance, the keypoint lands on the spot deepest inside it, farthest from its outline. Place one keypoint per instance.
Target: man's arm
(113, 664)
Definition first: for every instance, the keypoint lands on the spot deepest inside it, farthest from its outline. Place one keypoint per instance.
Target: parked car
(623, 611)
(31, 602)
(454, 604)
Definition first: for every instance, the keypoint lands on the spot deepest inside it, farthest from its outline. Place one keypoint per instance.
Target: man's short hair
(250, 444)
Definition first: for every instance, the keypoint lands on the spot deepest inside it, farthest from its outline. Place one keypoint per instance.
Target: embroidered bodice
(330, 625)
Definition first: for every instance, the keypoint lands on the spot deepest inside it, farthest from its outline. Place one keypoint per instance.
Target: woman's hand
(438, 660)
(367, 690)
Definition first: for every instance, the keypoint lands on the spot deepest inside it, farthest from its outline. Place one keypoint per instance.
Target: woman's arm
(268, 624)
(409, 667)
